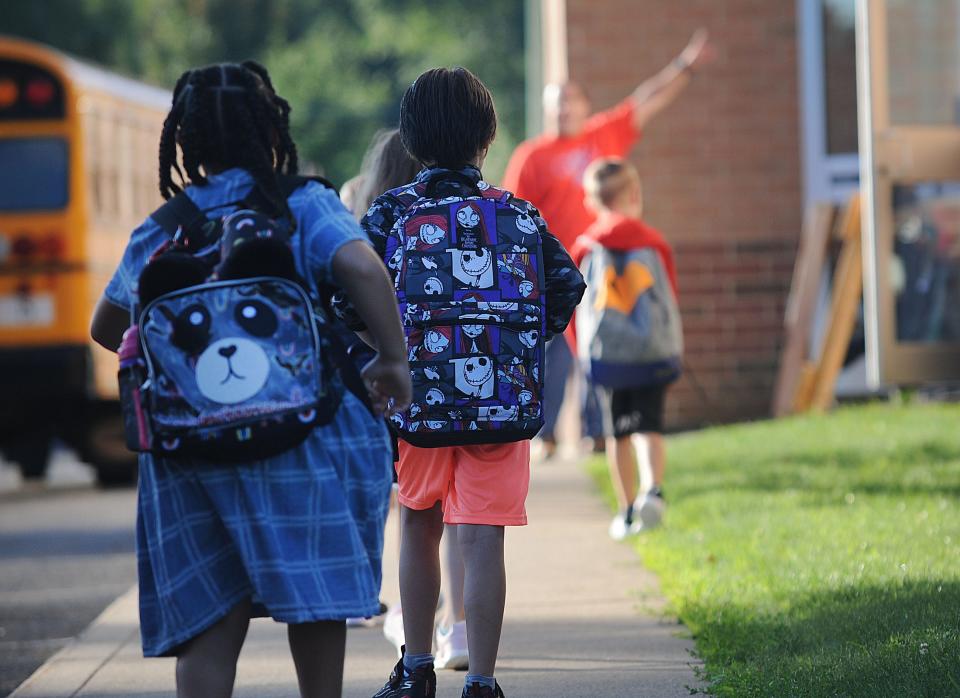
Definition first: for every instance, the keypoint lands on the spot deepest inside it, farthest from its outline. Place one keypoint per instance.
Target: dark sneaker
(476, 690)
(422, 683)
(649, 509)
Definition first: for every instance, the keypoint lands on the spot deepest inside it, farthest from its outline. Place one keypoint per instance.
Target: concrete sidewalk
(583, 619)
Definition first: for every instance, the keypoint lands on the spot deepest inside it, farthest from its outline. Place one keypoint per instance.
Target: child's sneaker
(650, 509)
(619, 527)
(477, 690)
(452, 647)
(421, 683)
(393, 627)
(623, 524)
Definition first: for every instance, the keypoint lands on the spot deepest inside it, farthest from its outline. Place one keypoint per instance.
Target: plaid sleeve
(564, 282)
(328, 226)
(376, 223)
(122, 288)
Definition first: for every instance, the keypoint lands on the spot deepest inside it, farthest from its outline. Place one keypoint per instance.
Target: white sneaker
(619, 528)
(393, 627)
(649, 509)
(451, 650)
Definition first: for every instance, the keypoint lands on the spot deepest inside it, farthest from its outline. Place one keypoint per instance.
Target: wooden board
(847, 288)
(801, 304)
(804, 394)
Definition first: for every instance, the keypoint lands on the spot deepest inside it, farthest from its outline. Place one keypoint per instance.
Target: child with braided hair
(297, 536)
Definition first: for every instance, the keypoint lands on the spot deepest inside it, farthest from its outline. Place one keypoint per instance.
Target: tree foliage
(343, 64)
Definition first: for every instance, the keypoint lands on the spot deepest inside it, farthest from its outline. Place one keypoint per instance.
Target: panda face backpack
(234, 359)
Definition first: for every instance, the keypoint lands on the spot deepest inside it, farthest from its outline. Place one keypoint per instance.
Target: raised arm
(656, 93)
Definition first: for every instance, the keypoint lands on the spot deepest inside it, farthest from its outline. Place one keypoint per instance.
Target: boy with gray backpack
(628, 331)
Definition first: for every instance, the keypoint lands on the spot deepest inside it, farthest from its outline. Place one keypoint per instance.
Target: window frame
(826, 177)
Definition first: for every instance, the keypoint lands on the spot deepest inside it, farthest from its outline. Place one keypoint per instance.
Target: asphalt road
(66, 551)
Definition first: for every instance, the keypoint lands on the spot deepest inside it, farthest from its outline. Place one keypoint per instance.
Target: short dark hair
(447, 117)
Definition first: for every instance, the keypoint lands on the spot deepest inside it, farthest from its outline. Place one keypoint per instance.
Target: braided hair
(228, 115)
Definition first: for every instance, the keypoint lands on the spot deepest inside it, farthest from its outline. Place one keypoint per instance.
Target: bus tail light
(9, 93)
(52, 247)
(23, 248)
(40, 92)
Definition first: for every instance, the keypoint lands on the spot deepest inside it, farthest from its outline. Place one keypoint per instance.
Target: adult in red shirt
(548, 172)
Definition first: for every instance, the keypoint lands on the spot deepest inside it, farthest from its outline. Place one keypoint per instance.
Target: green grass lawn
(817, 556)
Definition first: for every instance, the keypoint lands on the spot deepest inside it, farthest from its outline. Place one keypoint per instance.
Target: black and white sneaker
(476, 690)
(421, 683)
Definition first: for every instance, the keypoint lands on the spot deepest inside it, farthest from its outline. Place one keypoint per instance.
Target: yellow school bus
(78, 171)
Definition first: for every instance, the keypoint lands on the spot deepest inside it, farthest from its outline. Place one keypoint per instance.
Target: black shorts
(632, 410)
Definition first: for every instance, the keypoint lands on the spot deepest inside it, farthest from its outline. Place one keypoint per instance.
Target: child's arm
(111, 316)
(376, 223)
(564, 282)
(108, 324)
(358, 270)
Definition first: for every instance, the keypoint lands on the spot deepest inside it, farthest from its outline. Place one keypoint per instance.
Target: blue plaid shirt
(320, 216)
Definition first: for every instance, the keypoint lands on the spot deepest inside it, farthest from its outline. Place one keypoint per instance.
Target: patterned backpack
(468, 271)
(236, 365)
(628, 325)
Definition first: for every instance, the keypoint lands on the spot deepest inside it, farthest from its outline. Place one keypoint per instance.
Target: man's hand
(698, 51)
(388, 384)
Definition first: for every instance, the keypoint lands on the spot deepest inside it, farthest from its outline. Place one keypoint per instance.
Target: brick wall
(722, 178)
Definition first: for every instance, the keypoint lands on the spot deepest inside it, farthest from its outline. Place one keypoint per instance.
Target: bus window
(33, 174)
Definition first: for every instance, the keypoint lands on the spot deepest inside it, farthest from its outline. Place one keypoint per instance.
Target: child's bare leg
(395, 511)
(420, 575)
(658, 456)
(622, 461)
(452, 577)
(317, 650)
(207, 665)
(484, 593)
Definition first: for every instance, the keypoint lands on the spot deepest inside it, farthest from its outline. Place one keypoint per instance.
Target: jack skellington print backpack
(468, 271)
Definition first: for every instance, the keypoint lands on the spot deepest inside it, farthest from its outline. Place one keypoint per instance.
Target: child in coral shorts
(447, 122)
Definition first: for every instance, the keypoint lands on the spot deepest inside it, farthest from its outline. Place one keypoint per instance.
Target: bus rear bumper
(43, 388)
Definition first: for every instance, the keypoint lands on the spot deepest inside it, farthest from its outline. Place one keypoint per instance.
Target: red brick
(721, 175)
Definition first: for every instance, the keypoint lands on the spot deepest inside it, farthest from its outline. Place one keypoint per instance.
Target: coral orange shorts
(483, 484)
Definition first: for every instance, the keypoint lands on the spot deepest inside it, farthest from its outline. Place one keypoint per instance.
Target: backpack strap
(442, 176)
(349, 373)
(178, 212)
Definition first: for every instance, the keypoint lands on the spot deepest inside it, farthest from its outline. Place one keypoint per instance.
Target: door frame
(890, 155)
